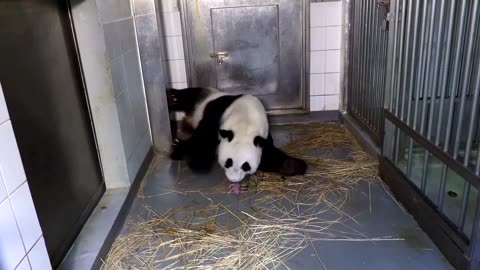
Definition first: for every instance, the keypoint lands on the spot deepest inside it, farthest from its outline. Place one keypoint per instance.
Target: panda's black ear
(259, 141)
(226, 134)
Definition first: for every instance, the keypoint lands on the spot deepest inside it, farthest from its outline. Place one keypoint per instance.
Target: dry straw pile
(287, 215)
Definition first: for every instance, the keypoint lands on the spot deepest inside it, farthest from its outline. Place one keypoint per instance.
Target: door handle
(219, 56)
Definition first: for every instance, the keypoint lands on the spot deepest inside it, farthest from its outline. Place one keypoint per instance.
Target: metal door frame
(71, 44)
(305, 79)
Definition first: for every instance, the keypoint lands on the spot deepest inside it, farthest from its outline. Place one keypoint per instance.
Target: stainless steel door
(249, 46)
(45, 94)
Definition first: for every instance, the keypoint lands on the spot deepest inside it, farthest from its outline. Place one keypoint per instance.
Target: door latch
(219, 56)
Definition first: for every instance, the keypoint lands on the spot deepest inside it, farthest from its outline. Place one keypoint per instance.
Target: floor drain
(452, 194)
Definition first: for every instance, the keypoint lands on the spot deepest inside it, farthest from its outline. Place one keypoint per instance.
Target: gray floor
(371, 210)
(87, 246)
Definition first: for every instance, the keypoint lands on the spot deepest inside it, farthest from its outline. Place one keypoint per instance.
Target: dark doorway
(46, 98)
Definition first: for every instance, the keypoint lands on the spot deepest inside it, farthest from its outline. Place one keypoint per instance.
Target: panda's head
(239, 157)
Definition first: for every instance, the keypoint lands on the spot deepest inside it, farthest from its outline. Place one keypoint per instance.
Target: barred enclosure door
(431, 156)
(367, 64)
(413, 84)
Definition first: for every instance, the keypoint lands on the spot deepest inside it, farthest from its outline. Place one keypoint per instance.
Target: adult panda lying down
(232, 129)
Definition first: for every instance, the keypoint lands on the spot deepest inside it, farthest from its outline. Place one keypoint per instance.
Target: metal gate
(414, 86)
(367, 61)
(431, 156)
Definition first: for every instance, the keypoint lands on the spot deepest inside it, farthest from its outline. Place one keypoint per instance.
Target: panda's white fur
(232, 129)
(247, 119)
(200, 107)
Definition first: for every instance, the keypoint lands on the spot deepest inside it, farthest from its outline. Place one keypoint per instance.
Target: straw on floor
(285, 218)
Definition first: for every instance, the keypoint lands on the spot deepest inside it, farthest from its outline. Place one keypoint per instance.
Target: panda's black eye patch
(226, 134)
(246, 167)
(228, 163)
(259, 141)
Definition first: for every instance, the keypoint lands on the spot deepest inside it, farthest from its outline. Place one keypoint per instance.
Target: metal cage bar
(434, 107)
(367, 70)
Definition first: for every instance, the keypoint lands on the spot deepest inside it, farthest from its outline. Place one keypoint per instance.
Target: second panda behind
(231, 129)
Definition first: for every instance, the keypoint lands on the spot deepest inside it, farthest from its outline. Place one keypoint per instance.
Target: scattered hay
(177, 247)
(265, 241)
(283, 220)
(327, 177)
(157, 158)
(322, 135)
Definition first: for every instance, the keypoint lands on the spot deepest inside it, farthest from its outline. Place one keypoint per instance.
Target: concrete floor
(374, 215)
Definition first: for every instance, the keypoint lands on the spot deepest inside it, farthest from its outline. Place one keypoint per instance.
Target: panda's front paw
(178, 150)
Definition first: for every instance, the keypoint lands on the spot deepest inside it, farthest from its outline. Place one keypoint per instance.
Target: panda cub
(231, 129)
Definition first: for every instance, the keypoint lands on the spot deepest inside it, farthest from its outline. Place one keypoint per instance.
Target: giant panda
(231, 129)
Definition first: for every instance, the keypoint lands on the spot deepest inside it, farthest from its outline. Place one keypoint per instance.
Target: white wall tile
(11, 247)
(127, 125)
(174, 47)
(3, 107)
(119, 37)
(26, 217)
(118, 76)
(140, 119)
(332, 83)
(134, 79)
(142, 7)
(112, 40)
(24, 265)
(177, 71)
(333, 13)
(11, 166)
(317, 62)
(112, 10)
(317, 103)
(317, 39)
(332, 102)
(3, 190)
(171, 24)
(169, 5)
(126, 32)
(138, 156)
(38, 256)
(178, 85)
(332, 61)
(317, 16)
(317, 84)
(333, 38)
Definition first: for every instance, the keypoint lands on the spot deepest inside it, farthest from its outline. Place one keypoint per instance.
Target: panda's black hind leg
(275, 160)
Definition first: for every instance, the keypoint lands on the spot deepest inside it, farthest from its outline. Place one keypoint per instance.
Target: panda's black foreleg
(184, 100)
(202, 151)
(179, 148)
(275, 160)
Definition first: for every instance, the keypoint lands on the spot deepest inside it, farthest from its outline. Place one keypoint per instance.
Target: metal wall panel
(261, 49)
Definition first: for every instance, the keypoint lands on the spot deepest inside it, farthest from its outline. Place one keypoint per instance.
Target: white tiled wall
(172, 35)
(122, 51)
(21, 242)
(325, 51)
(325, 55)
